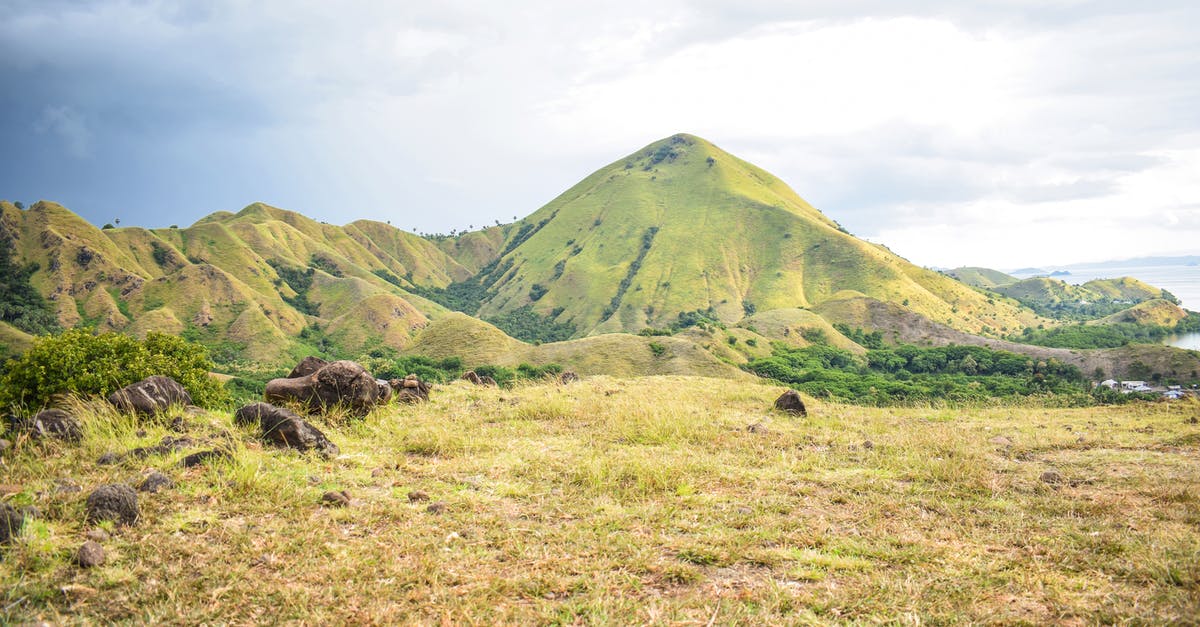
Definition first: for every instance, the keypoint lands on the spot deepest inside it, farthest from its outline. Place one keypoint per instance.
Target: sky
(995, 133)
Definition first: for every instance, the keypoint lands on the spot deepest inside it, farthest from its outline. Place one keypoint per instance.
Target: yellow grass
(664, 500)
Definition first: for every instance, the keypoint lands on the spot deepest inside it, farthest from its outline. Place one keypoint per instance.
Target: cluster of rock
(318, 386)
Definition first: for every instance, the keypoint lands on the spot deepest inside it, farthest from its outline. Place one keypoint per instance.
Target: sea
(1182, 280)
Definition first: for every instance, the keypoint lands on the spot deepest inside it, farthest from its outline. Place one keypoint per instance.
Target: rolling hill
(682, 226)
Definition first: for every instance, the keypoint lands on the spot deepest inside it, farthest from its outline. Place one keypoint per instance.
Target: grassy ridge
(611, 502)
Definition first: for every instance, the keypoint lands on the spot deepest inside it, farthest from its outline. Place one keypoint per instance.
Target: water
(1189, 341)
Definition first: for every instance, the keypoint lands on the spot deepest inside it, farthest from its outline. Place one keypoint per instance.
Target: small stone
(1001, 441)
(757, 427)
(1052, 477)
(154, 482)
(745, 511)
(178, 426)
(336, 499)
(91, 554)
(200, 457)
(1191, 421)
(437, 507)
(116, 502)
(418, 495)
(97, 534)
(64, 486)
(378, 472)
(108, 458)
(867, 444)
(11, 521)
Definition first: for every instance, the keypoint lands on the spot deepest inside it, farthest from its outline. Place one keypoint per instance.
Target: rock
(307, 366)
(97, 535)
(178, 425)
(418, 495)
(471, 377)
(340, 498)
(166, 445)
(791, 403)
(410, 389)
(11, 521)
(756, 427)
(1001, 441)
(385, 391)
(116, 502)
(154, 482)
(436, 507)
(568, 377)
(341, 383)
(200, 457)
(284, 428)
(487, 381)
(91, 554)
(108, 458)
(66, 486)
(54, 423)
(1052, 477)
(150, 396)
(867, 444)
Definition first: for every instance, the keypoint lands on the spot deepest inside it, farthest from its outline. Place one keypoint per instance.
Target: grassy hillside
(262, 285)
(681, 226)
(981, 277)
(1156, 312)
(664, 500)
(1095, 299)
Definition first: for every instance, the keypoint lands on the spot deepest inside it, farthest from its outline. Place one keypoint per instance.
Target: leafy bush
(78, 362)
(527, 325)
(657, 349)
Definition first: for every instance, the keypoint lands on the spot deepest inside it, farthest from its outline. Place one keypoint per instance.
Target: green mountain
(682, 226)
(981, 277)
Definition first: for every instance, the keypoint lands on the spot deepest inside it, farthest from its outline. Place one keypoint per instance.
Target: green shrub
(78, 362)
(657, 349)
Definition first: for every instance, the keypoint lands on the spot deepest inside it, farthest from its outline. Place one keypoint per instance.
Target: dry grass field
(657, 500)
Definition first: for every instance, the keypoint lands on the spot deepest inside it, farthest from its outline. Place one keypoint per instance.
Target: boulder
(342, 383)
(791, 403)
(54, 423)
(150, 396)
(568, 377)
(471, 377)
(283, 428)
(116, 502)
(488, 381)
(307, 366)
(200, 457)
(410, 389)
(11, 521)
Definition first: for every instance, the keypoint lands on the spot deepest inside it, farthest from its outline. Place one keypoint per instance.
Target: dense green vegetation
(527, 325)
(20, 304)
(647, 241)
(300, 280)
(1082, 336)
(907, 373)
(78, 362)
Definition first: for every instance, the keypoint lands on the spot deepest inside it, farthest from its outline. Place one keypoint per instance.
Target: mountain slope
(981, 277)
(681, 226)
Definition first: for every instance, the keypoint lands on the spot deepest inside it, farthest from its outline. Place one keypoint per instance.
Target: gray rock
(97, 535)
(567, 377)
(116, 502)
(150, 396)
(90, 555)
(417, 496)
(11, 522)
(154, 482)
(54, 423)
(436, 507)
(284, 428)
(410, 389)
(791, 403)
(307, 366)
(1001, 441)
(200, 457)
(341, 383)
(1052, 477)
